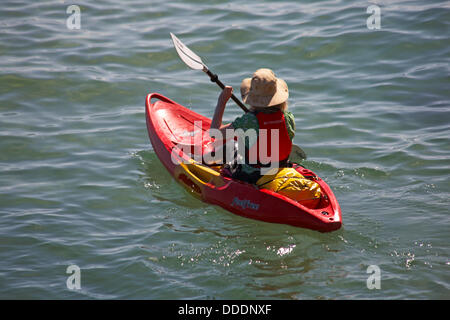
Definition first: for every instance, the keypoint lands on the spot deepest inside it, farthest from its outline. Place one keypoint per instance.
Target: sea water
(89, 212)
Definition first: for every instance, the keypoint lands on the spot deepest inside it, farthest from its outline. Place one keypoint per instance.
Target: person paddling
(267, 95)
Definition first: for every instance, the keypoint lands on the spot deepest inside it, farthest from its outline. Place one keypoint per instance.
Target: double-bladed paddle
(193, 61)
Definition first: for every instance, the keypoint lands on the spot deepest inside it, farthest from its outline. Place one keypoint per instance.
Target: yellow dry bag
(290, 183)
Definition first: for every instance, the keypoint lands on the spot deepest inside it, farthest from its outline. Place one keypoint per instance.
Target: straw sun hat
(264, 89)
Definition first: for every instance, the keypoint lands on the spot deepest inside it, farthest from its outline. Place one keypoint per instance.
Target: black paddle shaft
(215, 78)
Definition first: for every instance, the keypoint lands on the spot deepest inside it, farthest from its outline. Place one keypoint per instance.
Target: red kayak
(171, 127)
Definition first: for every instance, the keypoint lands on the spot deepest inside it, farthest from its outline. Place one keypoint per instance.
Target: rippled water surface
(80, 183)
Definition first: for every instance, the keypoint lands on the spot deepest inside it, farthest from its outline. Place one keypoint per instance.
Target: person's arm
(220, 109)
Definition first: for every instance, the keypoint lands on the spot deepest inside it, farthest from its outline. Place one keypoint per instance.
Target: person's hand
(226, 94)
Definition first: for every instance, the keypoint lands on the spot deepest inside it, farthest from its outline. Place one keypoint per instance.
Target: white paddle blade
(192, 60)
